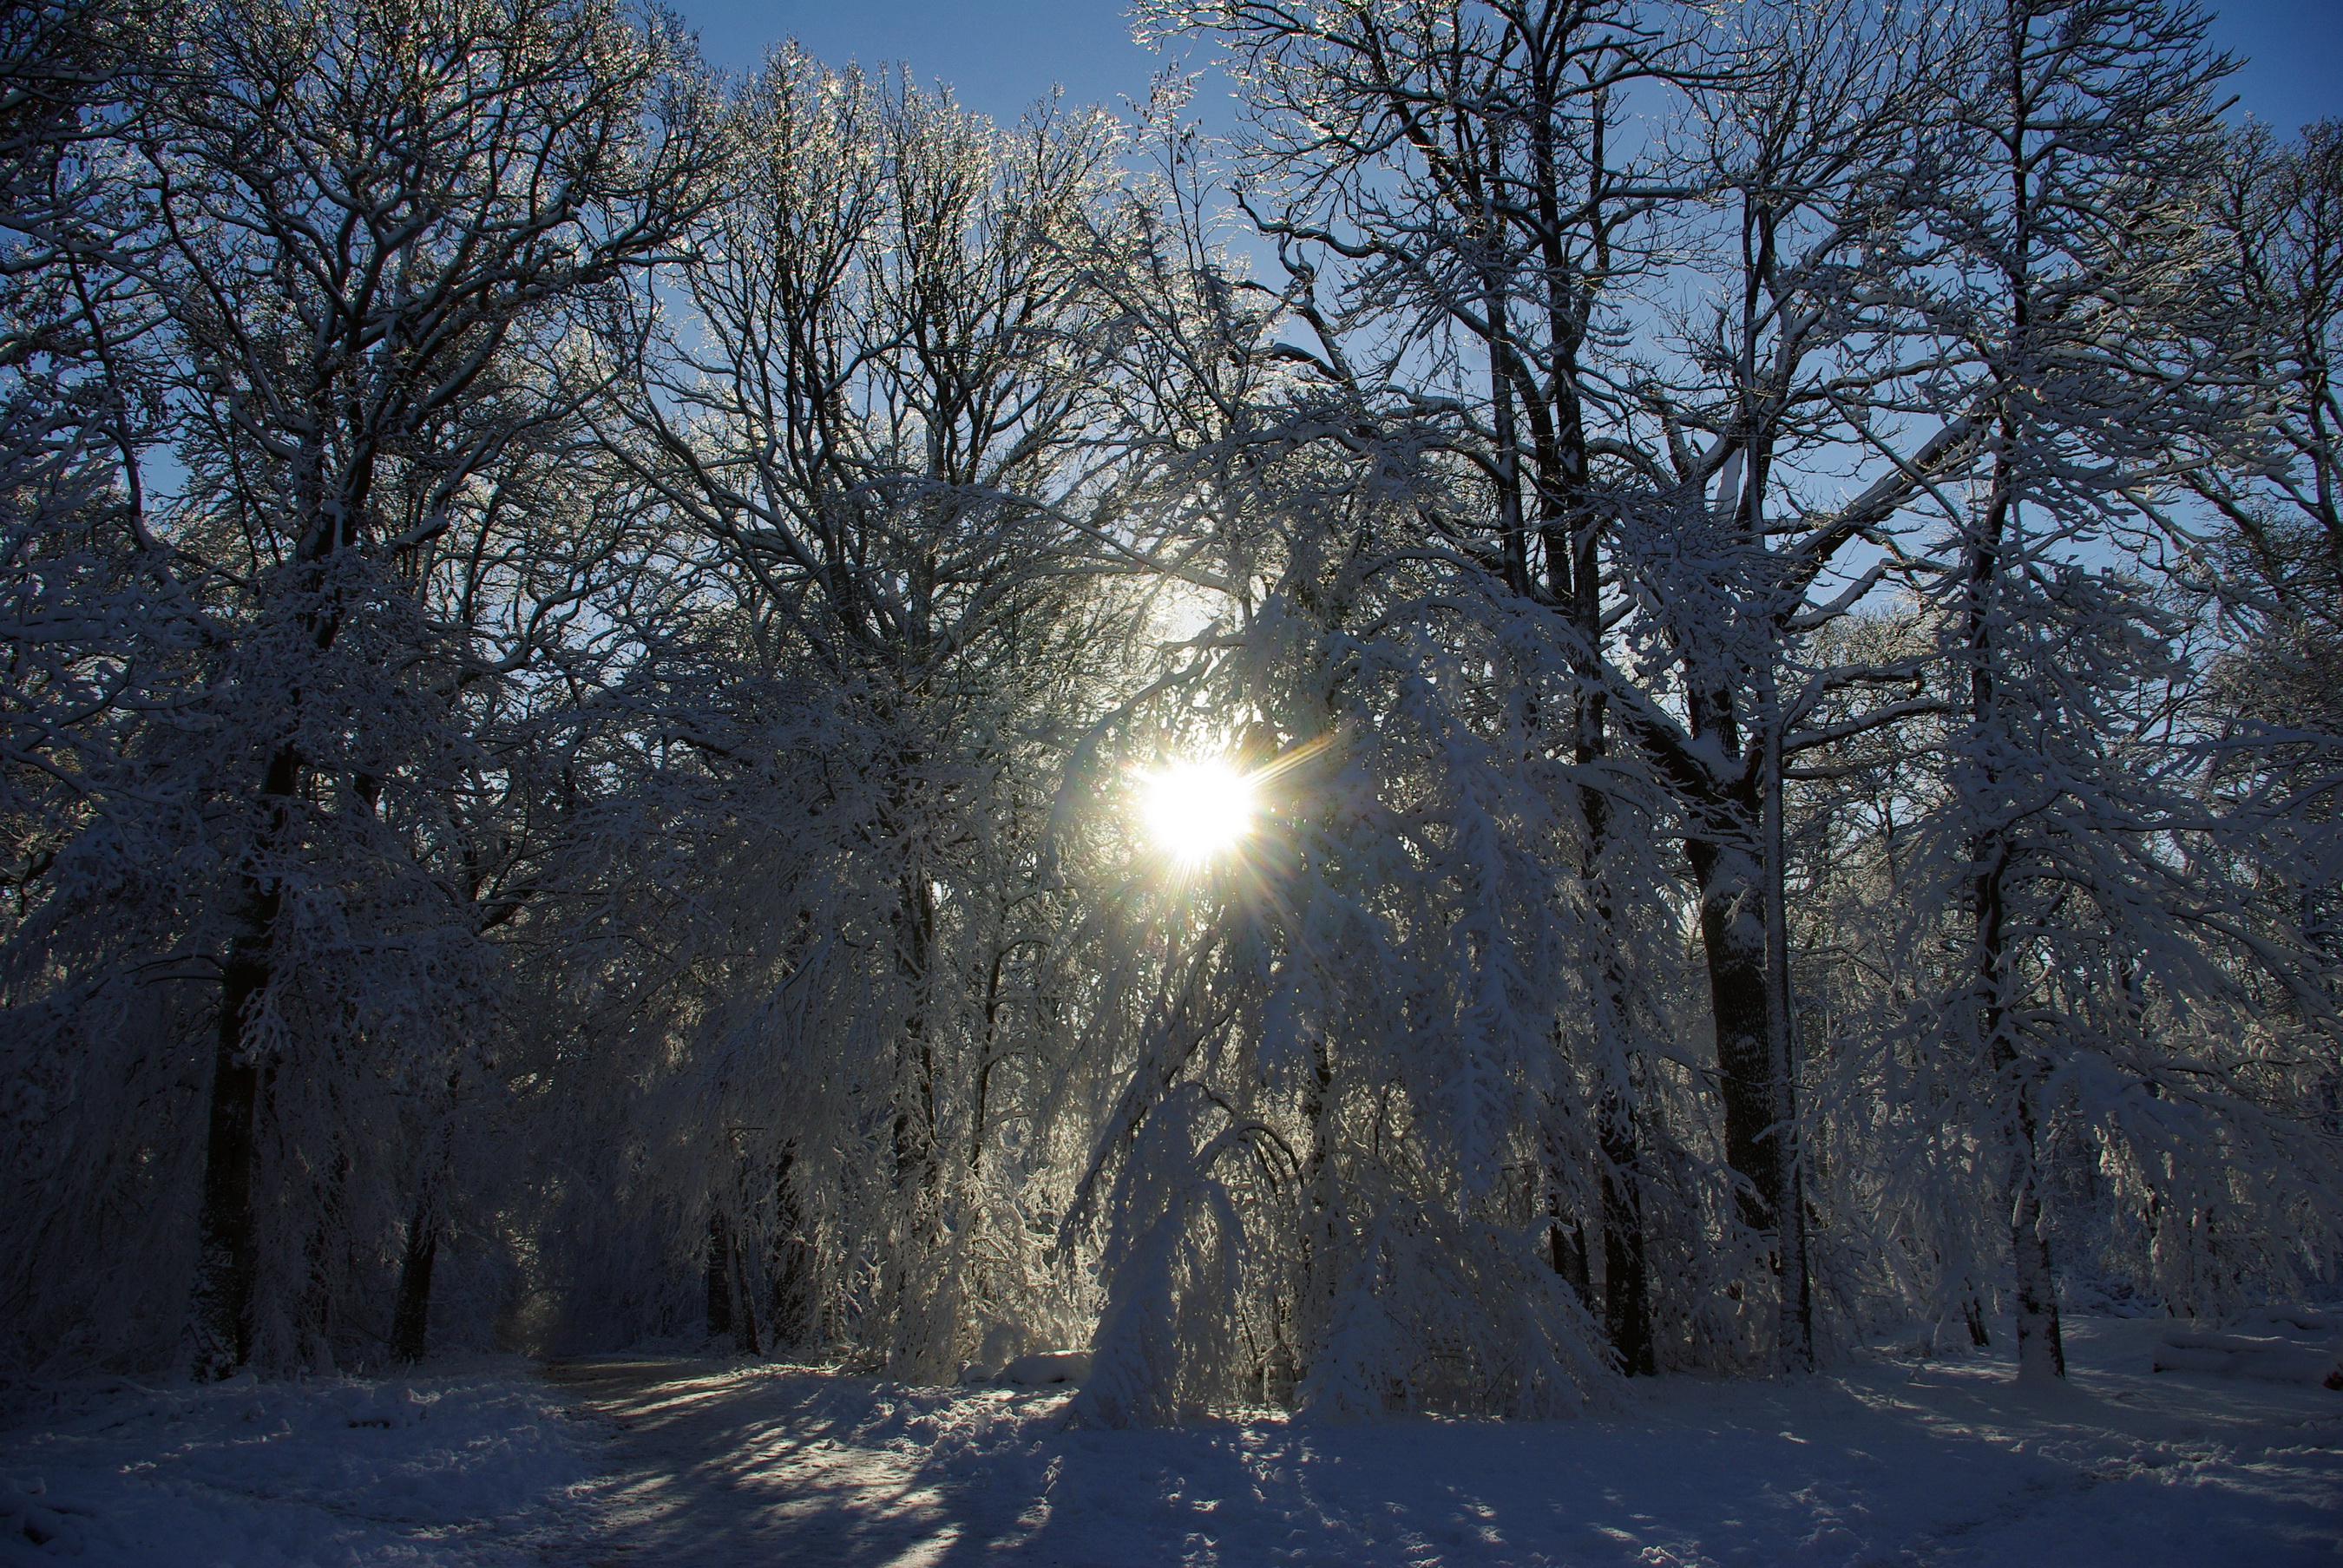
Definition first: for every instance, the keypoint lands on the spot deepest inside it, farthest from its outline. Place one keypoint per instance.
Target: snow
(465, 1467)
(1880, 1463)
(2280, 1346)
(1040, 1368)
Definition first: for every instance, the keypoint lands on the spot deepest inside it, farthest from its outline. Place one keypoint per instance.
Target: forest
(1596, 687)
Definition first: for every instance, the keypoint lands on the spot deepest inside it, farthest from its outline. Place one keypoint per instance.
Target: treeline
(581, 635)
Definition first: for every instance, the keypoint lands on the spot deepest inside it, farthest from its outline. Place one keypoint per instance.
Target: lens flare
(1194, 810)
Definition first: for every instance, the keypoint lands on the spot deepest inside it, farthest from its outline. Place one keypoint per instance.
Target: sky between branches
(1001, 55)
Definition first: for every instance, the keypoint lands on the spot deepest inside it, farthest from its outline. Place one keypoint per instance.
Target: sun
(1194, 810)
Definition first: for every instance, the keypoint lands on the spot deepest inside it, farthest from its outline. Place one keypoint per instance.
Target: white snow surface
(473, 1467)
(1879, 1464)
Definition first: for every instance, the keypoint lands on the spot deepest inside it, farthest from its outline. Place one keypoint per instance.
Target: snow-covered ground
(702, 1462)
(474, 1468)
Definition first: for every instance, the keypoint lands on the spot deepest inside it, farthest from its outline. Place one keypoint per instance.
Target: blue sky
(998, 55)
(1001, 55)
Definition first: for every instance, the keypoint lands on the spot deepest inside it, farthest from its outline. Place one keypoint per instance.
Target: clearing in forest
(674, 1462)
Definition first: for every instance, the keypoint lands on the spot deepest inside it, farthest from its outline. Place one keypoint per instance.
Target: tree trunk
(918, 1169)
(1566, 1244)
(2041, 1351)
(2041, 1348)
(1793, 1265)
(1627, 1304)
(1626, 1294)
(411, 1322)
(745, 1337)
(1733, 902)
(1745, 941)
(915, 1106)
(228, 1267)
(793, 1262)
(330, 1226)
(719, 1278)
(1316, 1242)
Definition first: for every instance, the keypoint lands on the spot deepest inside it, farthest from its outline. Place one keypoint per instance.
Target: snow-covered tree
(2098, 941)
(605, 670)
(363, 226)
(884, 395)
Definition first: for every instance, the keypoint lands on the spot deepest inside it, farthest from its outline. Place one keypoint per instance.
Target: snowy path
(717, 1465)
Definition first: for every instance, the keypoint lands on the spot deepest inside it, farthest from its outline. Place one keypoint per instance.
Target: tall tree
(1464, 167)
(1747, 542)
(888, 402)
(2070, 248)
(370, 216)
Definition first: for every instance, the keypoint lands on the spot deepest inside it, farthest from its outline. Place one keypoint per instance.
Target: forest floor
(652, 1461)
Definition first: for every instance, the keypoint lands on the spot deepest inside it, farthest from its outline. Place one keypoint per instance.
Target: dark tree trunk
(731, 1309)
(918, 1169)
(1566, 1244)
(1626, 1292)
(228, 1267)
(1973, 1314)
(742, 1274)
(915, 1106)
(327, 1238)
(1733, 939)
(719, 1278)
(745, 1337)
(1793, 1252)
(411, 1322)
(793, 1262)
(2041, 1346)
(1745, 939)
(1316, 1242)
